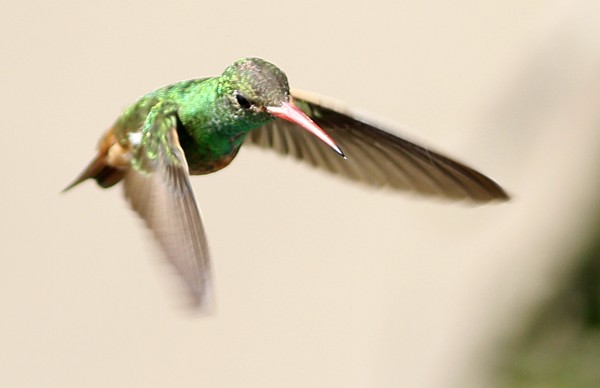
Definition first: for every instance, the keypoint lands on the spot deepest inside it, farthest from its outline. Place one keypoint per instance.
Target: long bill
(293, 114)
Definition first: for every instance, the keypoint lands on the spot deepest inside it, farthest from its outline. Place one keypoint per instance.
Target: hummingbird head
(259, 91)
(252, 84)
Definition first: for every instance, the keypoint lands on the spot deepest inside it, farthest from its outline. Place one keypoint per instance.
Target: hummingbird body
(212, 127)
(208, 138)
(198, 126)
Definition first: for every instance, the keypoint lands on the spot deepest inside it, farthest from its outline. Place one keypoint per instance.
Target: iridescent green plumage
(197, 127)
(214, 122)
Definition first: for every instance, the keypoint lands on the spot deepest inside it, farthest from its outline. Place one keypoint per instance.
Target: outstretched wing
(159, 190)
(374, 155)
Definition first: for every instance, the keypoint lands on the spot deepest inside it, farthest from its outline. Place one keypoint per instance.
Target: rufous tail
(98, 169)
(105, 175)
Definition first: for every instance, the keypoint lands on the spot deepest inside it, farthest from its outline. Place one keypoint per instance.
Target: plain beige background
(320, 283)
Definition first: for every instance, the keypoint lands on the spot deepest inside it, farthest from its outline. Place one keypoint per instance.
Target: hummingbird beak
(290, 112)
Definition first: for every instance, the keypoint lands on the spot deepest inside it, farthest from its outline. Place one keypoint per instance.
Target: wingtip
(495, 196)
(498, 194)
(503, 196)
(202, 301)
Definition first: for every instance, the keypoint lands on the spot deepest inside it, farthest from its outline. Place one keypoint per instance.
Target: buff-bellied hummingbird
(197, 127)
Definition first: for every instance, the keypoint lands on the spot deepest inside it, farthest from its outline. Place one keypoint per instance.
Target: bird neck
(216, 128)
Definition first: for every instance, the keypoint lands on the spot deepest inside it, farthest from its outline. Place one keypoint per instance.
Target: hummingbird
(197, 127)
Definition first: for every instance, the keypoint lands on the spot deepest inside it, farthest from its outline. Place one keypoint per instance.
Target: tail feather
(99, 169)
(105, 175)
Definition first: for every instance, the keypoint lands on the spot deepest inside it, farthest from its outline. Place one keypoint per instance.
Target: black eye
(244, 103)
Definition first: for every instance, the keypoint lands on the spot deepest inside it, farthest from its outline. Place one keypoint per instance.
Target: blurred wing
(374, 155)
(159, 190)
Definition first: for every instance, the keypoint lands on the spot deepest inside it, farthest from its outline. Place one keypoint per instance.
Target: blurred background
(367, 288)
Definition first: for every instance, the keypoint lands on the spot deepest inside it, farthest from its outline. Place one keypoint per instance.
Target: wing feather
(375, 155)
(159, 190)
